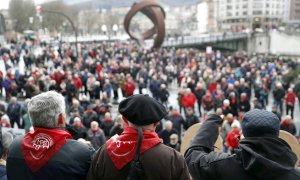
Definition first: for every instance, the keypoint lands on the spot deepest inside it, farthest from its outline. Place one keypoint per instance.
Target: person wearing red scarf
(95, 135)
(48, 152)
(138, 147)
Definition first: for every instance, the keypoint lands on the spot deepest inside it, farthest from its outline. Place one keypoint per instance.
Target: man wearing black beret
(138, 152)
(260, 155)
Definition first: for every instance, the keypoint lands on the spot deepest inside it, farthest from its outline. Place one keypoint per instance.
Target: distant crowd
(94, 81)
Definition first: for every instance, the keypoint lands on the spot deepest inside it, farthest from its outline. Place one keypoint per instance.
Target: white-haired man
(48, 152)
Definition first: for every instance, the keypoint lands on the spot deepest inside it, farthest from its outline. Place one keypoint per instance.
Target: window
(245, 13)
(229, 14)
(257, 12)
(229, 7)
(236, 13)
(267, 12)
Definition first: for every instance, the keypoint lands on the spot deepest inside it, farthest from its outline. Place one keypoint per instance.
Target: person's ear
(61, 120)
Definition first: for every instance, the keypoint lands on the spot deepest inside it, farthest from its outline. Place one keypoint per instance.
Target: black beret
(142, 110)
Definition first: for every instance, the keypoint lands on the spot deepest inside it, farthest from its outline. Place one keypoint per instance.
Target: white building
(207, 16)
(251, 14)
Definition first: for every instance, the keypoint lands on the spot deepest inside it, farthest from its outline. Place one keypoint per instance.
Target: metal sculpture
(154, 11)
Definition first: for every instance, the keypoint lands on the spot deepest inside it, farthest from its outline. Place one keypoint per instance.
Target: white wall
(260, 44)
(282, 43)
(276, 43)
(202, 17)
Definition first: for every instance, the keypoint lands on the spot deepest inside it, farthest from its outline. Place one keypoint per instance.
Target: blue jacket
(3, 172)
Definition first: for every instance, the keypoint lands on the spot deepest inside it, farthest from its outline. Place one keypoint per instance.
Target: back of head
(45, 108)
(7, 139)
(142, 110)
(258, 123)
(169, 125)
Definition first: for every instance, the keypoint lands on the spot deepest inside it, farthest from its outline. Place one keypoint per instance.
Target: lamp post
(104, 29)
(31, 19)
(115, 29)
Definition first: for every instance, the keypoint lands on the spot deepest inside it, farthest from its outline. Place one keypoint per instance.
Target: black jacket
(14, 111)
(245, 106)
(278, 94)
(256, 158)
(72, 161)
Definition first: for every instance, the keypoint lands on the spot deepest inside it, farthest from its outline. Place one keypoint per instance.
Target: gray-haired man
(48, 152)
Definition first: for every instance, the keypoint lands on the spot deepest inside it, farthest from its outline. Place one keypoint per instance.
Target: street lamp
(115, 29)
(31, 19)
(104, 29)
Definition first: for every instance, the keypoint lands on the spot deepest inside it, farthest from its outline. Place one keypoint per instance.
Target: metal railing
(180, 41)
(212, 38)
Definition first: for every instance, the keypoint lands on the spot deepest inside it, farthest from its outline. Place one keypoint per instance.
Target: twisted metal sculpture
(154, 11)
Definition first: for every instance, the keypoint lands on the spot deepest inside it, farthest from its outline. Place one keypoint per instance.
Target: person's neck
(150, 127)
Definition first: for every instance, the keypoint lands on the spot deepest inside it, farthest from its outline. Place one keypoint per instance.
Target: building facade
(294, 10)
(207, 16)
(238, 15)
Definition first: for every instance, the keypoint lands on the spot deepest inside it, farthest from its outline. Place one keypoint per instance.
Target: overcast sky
(4, 4)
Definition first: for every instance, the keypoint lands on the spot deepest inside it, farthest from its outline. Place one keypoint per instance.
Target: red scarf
(108, 120)
(121, 149)
(176, 114)
(39, 147)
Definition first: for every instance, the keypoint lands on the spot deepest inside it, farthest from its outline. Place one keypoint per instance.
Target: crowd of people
(101, 75)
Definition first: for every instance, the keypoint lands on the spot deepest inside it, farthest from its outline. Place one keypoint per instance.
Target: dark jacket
(199, 93)
(278, 94)
(245, 106)
(164, 95)
(255, 158)
(168, 164)
(89, 117)
(165, 135)
(14, 111)
(191, 120)
(72, 161)
(96, 138)
(291, 128)
(178, 122)
(3, 175)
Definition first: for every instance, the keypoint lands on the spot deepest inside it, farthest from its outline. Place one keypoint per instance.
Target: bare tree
(55, 21)
(88, 20)
(20, 11)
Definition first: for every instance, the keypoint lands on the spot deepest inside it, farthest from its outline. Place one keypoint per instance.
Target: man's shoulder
(74, 144)
(207, 159)
(161, 150)
(74, 151)
(16, 143)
